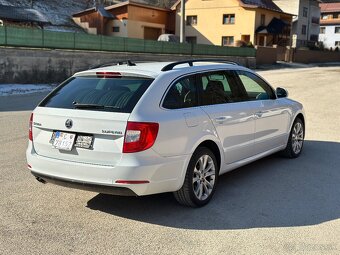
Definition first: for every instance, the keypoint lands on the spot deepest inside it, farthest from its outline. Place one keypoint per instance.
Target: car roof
(154, 69)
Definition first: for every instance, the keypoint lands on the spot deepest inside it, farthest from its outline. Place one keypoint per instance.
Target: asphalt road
(273, 206)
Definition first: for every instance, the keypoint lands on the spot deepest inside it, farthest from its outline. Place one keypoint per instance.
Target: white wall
(329, 37)
(296, 7)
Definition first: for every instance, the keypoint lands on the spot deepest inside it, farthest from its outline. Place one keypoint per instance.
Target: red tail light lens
(139, 136)
(30, 126)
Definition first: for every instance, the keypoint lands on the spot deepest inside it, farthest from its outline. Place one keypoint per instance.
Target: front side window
(182, 94)
(337, 44)
(228, 18)
(337, 30)
(322, 30)
(220, 87)
(191, 20)
(255, 87)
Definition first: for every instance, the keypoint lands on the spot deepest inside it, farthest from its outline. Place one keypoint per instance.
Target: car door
(183, 118)
(230, 114)
(271, 117)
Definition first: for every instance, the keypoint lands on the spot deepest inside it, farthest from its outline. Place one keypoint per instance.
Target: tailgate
(106, 128)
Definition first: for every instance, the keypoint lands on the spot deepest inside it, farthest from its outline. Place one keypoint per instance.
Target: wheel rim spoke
(204, 177)
(297, 138)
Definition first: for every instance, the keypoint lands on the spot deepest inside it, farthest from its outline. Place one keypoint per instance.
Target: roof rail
(120, 62)
(191, 61)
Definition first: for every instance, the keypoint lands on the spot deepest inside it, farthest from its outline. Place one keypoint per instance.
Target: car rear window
(98, 94)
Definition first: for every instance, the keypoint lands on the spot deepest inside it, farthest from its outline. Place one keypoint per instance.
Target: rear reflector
(139, 136)
(30, 126)
(131, 182)
(108, 75)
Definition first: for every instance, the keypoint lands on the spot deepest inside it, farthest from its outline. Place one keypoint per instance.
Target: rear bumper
(120, 191)
(164, 174)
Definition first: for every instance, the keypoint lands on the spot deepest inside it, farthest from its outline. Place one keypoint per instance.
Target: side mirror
(281, 92)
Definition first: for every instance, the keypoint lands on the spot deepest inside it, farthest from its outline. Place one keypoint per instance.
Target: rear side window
(99, 94)
(220, 87)
(182, 94)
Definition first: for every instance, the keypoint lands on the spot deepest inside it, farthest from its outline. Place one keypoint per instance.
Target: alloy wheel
(297, 137)
(204, 177)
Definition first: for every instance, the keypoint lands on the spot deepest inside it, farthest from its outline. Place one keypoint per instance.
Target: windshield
(98, 94)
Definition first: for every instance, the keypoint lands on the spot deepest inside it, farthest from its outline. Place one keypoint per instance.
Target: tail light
(108, 75)
(30, 126)
(139, 136)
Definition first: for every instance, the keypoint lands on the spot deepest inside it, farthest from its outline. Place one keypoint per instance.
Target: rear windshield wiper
(93, 106)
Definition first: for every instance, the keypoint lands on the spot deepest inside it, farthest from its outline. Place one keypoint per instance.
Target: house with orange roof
(330, 25)
(233, 22)
(126, 19)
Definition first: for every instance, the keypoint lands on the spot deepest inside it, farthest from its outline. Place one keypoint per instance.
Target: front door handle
(220, 119)
(259, 114)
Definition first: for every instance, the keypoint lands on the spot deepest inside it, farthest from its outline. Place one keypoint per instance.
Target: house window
(337, 43)
(322, 30)
(335, 15)
(227, 40)
(263, 19)
(337, 30)
(324, 16)
(228, 18)
(115, 29)
(304, 29)
(314, 38)
(305, 12)
(191, 39)
(192, 20)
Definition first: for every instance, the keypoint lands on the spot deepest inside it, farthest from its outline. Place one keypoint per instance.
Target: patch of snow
(21, 89)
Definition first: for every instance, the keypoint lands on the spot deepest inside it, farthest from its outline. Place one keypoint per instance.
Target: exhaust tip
(40, 180)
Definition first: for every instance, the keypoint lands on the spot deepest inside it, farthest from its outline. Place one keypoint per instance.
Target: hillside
(59, 12)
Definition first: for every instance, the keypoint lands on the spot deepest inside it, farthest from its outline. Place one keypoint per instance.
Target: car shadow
(272, 192)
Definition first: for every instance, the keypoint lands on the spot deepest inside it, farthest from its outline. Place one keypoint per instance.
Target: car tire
(200, 179)
(295, 141)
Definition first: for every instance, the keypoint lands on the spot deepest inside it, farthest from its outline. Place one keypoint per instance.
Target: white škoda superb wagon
(146, 128)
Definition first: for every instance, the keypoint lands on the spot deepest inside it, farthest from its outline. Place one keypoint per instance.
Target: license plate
(62, 140)
(84, 141)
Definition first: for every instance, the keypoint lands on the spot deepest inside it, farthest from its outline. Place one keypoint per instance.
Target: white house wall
(329, 37)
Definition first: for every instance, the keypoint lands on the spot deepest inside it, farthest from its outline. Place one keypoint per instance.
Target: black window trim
(258, 76)
(197, 74)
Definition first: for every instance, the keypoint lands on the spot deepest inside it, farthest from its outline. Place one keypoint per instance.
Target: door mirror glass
(281, 92)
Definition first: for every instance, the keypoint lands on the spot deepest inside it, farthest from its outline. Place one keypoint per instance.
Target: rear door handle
(259, 114)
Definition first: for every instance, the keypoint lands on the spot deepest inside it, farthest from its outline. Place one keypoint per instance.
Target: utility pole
(182, 28)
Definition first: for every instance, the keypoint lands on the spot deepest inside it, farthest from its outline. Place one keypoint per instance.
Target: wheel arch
(211, 145)
(301, 115)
